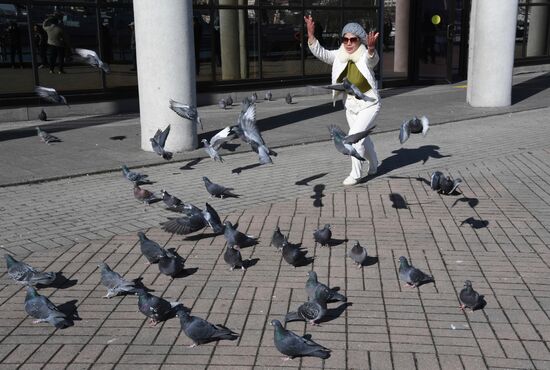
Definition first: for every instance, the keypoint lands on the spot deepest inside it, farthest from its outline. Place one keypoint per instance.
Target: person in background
(133, 46)
(57, 41)
(356, 62)
(40, 38)
(14, 43)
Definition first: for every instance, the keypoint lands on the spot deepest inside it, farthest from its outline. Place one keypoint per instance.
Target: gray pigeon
(157, 309)
(201, 331)
(414, 125)
(47, 138)
(222, 104)
(323, 236)
(358, 254)
(469, 298)
(90, 57)
(317, 290)
(172, 202)
(294, 255)
(42, 309)
(443, 184)
(253, 97)
(292, 345)
(25, 274)
(288, 98)
(233, 258)
(158, 141)
(194, 220)
(217, 190)
(235, 238)
(133, 176)
(343, 142)
(348, 87)
(150, 249)
(186, 111)
(311, 312)
(217, 141)
(229, 100)
(171, 264)
(412, 276)
(42, 115)
(114, 282)
(50, 95)
(278, 239)
(268, 96)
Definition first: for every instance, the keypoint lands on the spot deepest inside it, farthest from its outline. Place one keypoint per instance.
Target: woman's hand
(372, 37)
(310, 26)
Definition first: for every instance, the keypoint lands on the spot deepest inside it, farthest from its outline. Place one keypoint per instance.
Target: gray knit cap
(356, 29)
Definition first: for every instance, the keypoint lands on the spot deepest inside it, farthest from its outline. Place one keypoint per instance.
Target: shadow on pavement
(531, 87)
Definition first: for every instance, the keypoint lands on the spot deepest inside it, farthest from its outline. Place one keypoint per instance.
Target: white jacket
(339, 59)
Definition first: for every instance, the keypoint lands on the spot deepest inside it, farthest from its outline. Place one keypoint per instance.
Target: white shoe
(349, 181)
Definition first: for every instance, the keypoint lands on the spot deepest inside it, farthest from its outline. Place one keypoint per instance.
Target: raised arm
(315, 47)
(373, 57)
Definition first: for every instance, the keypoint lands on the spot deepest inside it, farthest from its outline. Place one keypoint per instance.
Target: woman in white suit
(354, 61)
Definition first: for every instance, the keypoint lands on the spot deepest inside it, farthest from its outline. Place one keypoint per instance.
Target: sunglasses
(346, 40)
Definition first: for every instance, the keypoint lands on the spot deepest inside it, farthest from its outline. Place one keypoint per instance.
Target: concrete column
(243, 51)
(538, 30)
(166, 69)
(229, 41)
(491, 52)
(401, 46)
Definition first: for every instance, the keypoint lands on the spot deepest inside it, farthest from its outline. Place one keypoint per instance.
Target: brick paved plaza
(69, 225)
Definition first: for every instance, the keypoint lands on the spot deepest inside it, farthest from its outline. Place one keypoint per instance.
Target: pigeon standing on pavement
(233, 258)
(186, 111)
(323, 236)
(253, 97)
(358, 254)
(42, 115)
(443, 184)
(414, 125)
(294, 255)
(50, 95)
(222, 104)
(114, 282)
(158, 141)
(469, 298)
(343, 142)
(292, 345)
(412, 276)
(229, 100)
(268, 96)
(320, 291)
(157, 309)
(25, 274)
(42, 309)
(201, 331)
(90, 57)
(311, 311)
(47, 138)
(150, 249)
(170, 264)
(236, 238)
(278, 239)
(217, 190)
(172, 202)
(133, 176)
(144, 195)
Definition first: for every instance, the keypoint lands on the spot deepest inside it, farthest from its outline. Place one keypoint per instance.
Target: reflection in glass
(388, 45)
(15, 51)
(202, 34)
(328, 26)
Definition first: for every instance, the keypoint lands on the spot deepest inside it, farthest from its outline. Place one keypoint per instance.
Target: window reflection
(537, 30)
(328, 25)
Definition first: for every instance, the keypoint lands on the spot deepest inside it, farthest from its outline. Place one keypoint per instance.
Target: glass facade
(242, 44)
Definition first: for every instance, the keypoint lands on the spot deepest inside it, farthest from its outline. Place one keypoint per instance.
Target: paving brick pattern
(503, 161)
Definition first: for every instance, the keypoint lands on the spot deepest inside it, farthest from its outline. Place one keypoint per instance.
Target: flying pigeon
(222, 104)
(278, 239)
(194, 220)
(217, 141)
(150, 249)
(158, 141)
(42, 115)
(157, 309)
(288, 98)
(294, 255)
(47, 138)
(343, 143)
(268, 96)
(25, 274)
(358, 254)
(444, 184)
(172, 202)
(217, 190)
(292, 345)
(201, 331)
(133, 176)
(236, 238)
(229, 100)
(233, 258)
(186, 111)
(312, 311)
(171, 264)
(90, 57)
(323, 236)
(348, 87)
(42, 309)
(50, 95)
(413, 126)
(412, 276)
(114, 282)
(469, 298)
(317, 290)
(144, 195)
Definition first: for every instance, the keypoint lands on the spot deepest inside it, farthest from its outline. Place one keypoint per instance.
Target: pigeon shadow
(398, 202)
(186, 272)
(250, 262)
(238, 170)
(318, 196)
(200, 236)
(189, 165)
(305, 261)
(118, 137)
(334, 313)
(481, 305)
(369, 261)
(336, 242)
(144, 182)
(70, 311)
(138, 283)
(60, 282)
(310, 178)
(230, 147)
(472, 202)
(474, 223)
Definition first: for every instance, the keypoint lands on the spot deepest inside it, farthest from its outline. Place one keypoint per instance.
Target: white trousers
(359, 122)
